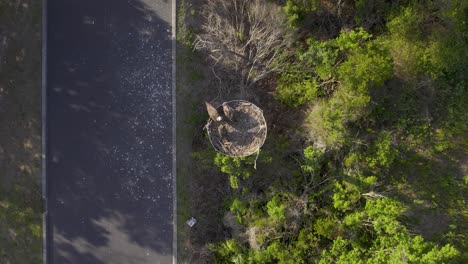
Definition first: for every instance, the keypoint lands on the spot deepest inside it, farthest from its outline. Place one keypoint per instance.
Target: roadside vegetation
(20, 141)
(366, 156)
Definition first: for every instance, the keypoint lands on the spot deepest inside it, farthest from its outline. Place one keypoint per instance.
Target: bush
(382, 153)
(294, 93)
(296, 10)
(235, 167)
(276, 209)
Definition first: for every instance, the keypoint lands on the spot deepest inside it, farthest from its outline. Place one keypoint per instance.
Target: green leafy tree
(230, 251)
(276, 209)
(362, 90)
(236, 168)
(296, 10)
(313, 160)
(377, 236)
(295, 93)
(342, 72)
(382, 153)
(239, 208)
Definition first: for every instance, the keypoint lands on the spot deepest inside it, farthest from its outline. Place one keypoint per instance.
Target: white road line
(174, 136)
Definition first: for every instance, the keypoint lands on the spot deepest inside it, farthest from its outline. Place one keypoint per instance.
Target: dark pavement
(109, 132)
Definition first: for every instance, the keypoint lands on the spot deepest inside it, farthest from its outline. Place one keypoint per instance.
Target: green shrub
(296, 10)
(235, 168)
(295, 93)
(276, 208)
(382, 153)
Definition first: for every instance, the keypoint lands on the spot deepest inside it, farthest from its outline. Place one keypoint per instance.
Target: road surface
(109, 132)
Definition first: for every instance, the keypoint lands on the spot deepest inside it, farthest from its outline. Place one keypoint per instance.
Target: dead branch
(244, 36)
(373, 194)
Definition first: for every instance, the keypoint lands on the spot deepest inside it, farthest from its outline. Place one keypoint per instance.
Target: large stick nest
(241, 130)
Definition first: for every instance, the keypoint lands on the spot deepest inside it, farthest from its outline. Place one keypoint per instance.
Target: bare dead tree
(244, 36)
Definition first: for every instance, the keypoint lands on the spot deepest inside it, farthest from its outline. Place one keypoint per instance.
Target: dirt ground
(201, 187)
(195, 84)
(20, 131)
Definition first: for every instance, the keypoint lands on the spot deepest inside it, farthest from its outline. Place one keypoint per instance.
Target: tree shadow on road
(109, 132)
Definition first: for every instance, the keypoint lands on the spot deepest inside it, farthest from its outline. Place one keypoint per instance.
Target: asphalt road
(109, 132)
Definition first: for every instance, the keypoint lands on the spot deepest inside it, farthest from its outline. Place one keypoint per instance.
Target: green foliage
(295, 93)
(239, 167)
(233, 182)
(322, 57)
(395, 249)
(296, 10)
(313, 159)
(276, 209)
(369, 66)
(344, 199)
(328, 119)
(384, 213)
(326, 227)
(407, 23)
(345, 68)
(238, 208)
(339, 253)
(326, 126)
(204, 159)
(229, 251)
(382, 153)
(185, 33)
(235, 167)
(353, 57)
(391, 242)
(406, 40)
(443, 140)
(434, 51)
(386, 113)
(20, 224)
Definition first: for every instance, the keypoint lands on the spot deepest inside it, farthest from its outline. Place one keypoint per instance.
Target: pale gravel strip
(174, 146)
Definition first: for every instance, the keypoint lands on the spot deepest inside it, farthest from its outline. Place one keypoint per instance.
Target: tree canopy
(364, 163)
